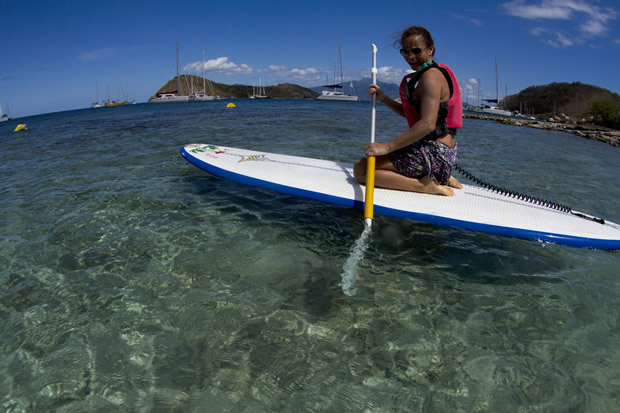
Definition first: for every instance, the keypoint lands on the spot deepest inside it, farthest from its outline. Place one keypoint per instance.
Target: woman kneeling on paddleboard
(421, 159)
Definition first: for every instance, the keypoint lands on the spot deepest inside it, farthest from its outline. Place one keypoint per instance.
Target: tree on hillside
(604, 112)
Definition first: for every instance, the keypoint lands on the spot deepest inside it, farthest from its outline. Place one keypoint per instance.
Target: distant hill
(573, 99)
(190, 82)
(390, 89)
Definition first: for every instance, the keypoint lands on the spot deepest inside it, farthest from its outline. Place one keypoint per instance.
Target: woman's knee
(359, 170)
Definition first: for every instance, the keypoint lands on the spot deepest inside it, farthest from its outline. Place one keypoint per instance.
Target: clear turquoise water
(132, 281)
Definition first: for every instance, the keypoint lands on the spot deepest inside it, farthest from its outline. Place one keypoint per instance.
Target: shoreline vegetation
(585, 130)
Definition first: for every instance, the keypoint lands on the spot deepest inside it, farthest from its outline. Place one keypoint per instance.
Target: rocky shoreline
(588, 131)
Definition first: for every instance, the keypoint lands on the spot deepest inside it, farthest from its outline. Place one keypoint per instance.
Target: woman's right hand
(375, 89)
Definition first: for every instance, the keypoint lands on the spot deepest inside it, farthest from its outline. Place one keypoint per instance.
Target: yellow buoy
(20, 127)
(231, 105)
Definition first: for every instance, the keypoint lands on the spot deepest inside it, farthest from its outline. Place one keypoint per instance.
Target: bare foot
(444, 190)
(454, 183)
(430, 186)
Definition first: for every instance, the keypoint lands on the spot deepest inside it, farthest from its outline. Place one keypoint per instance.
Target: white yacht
(199, 97)
(337, 95)
(169, 97)
(491, 110)
(337, 90)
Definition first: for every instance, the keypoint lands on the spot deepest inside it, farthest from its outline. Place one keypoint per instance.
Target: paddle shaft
(370, 165)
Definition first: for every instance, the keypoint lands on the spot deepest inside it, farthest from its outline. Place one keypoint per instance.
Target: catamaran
(489, 108)
(337, 89)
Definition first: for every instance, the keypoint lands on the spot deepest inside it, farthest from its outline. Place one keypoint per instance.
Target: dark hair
(418, 31)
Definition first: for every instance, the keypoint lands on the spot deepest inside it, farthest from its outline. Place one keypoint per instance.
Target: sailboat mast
(340, 52)
(178, 89)
(496, 83)
(204, 81)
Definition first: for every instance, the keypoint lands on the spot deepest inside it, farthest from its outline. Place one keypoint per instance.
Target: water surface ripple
(132, 281)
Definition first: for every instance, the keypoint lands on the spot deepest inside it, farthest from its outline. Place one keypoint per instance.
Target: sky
(60, 55)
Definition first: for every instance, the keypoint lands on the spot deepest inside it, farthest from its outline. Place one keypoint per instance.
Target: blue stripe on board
(562, 239)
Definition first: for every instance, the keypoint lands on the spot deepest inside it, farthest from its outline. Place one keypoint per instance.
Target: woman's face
(420, 54)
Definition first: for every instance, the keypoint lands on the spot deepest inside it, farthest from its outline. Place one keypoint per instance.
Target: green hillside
(573, 99)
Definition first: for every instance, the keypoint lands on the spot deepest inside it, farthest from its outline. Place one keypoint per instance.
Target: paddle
(349, 274)
(370, 165)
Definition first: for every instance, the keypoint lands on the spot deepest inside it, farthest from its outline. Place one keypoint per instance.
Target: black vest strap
(413, 81)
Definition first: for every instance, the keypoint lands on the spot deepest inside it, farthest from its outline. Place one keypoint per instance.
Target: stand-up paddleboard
(472, 208)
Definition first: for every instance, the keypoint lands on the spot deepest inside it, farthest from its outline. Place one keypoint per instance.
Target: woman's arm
(386, 100)
(429, 90)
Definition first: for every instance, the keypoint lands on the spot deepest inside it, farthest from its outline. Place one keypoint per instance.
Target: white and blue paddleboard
(472, 208)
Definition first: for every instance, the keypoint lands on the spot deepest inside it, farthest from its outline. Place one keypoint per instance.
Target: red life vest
(454, 119)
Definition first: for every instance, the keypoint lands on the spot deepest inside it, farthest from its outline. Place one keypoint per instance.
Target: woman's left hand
(377, 149)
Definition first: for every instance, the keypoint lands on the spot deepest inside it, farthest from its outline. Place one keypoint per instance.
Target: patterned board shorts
(425, 158)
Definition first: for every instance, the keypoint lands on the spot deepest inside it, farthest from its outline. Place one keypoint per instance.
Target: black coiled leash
(525, 197)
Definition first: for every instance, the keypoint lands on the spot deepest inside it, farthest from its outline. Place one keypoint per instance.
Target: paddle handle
(370, 165)
(373, 112)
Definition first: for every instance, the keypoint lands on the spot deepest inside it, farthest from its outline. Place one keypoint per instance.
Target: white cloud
(280, 73)
(309, 74)
(593, 28)
(470, 85)
(561, 41)
(300, 75)
(221, 64)
(276, 67)
(469, 89)
(388, 74)
(594, 19)
(546, 10)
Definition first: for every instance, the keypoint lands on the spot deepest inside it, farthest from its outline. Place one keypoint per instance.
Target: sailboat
(261, 91)
(4, 116)
(116, 102)
(204, 96)
(171, 96)
(490, 108)
(96, 103)
(336, 92)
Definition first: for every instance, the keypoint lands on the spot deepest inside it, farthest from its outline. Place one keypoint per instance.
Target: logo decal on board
(204, 148)
(253, 158)
(208, 150)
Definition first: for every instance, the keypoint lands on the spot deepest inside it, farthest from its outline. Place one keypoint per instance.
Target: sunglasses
(405, 52)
